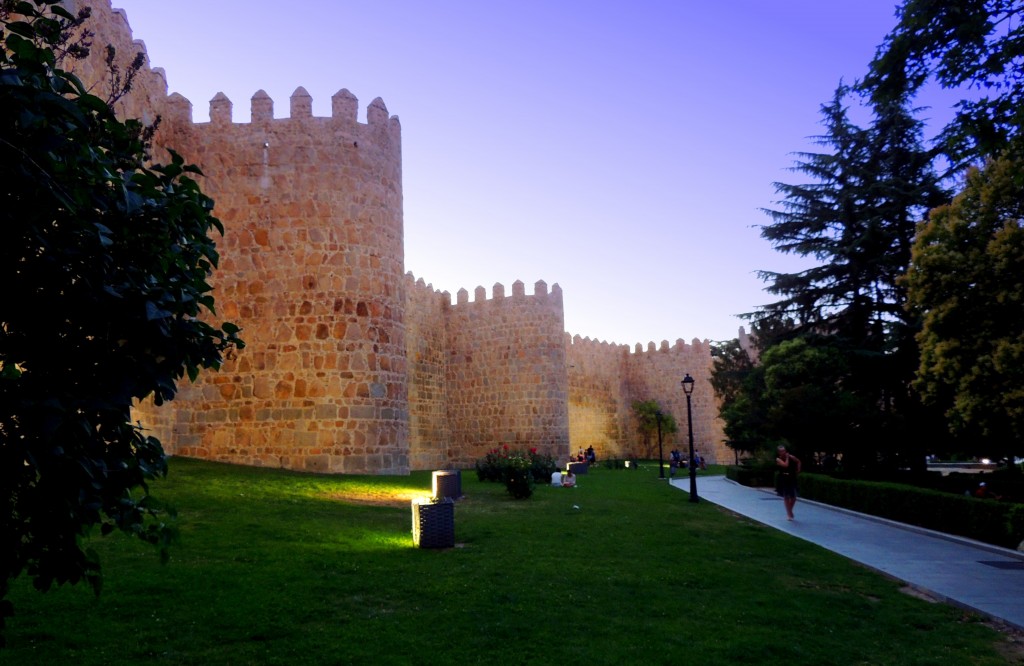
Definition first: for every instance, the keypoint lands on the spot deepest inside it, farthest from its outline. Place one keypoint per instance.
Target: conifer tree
(856, 218)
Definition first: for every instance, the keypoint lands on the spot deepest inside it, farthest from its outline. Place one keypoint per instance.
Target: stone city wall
(351, 365)
(426, 334)
(657, 374)
(606, 379)
(598, 413)
(507, 372)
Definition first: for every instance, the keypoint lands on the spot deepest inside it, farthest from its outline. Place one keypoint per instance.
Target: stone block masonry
(351, 364)
(313, 271)
(606, 379)
(507, 372)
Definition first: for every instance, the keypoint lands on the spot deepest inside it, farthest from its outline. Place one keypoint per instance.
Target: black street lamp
(688, 390)
(661, 462)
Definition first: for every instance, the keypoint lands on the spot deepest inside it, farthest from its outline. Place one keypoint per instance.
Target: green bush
(998, 523)
(518, 477)
(518, 470)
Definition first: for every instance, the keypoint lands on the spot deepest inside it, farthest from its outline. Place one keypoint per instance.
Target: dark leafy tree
(856, 218)
(732, 363)
(975, 47)
(738, 379)
(967, 282)
(972, 45)
(734, 377)
(104, 261)
(808, 403)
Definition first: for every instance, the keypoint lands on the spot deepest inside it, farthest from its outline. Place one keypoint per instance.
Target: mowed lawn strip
(277, 567)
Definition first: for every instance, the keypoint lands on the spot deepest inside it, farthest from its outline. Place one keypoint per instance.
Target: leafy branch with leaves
(105, 260)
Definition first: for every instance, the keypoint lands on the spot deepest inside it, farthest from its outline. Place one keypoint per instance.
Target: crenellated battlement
(695, 346)
(748, 343)
(419, 286)
(579, 342)
(344, 109)
(149, 88)
(540, 292)
(680, 346)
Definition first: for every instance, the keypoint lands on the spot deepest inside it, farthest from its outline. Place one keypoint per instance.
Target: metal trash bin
(433, 523)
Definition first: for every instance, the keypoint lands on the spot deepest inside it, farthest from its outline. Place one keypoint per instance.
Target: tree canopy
(844, 335)
(856, 217)
(963, 279)
(104, 260)
(967, 283)
(976, 46)
(737, 382)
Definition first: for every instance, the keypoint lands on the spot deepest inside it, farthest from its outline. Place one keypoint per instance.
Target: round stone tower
(312, 270)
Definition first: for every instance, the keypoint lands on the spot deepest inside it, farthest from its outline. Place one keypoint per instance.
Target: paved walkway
(983, 578)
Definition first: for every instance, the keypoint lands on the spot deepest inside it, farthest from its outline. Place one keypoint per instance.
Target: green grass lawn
(277, 567)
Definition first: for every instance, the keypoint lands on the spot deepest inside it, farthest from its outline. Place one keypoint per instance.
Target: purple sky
(620, 149)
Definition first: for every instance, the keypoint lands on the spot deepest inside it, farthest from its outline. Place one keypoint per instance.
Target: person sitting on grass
(568, 479)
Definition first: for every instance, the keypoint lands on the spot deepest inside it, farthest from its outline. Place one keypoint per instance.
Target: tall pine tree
(857, 218)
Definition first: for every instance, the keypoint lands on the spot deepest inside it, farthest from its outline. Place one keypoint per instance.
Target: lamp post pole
(661, 461)
(687, 383)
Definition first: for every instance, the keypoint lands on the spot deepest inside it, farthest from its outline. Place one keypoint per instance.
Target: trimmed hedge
(750, 476)
(988, 521)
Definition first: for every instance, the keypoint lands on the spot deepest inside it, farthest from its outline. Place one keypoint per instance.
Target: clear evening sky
(620, 149)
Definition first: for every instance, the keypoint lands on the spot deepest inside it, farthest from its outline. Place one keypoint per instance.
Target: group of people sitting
(564, 479)
(567, 478)
(587, 456)
(675, 460)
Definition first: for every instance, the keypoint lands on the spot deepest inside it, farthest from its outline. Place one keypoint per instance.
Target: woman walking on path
(789, 467)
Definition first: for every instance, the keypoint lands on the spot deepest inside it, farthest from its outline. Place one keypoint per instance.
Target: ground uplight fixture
(688, 383)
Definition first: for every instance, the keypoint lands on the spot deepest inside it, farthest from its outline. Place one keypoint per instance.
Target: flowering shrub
(542, 466)
(518, 470)
(489, 468)
(517, 476)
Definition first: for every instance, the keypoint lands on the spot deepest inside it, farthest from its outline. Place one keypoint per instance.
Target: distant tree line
(905, 336)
